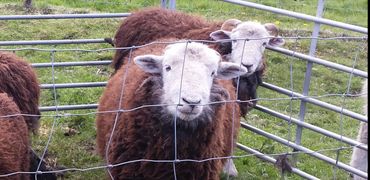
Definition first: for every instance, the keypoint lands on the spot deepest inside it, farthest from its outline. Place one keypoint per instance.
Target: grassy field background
(77, 149)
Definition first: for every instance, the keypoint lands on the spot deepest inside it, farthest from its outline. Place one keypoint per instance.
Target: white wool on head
(249, 40)
(249, 52)
(191, 70)
(188, 70)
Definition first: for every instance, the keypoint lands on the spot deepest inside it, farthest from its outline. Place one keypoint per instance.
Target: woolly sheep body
(19, 81)
(13, 140)
(147, 133)
(20, 92)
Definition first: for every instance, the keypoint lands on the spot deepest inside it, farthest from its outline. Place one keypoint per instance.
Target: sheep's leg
(359, 156)
(230, 169)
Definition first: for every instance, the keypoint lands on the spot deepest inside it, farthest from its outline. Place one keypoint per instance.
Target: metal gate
(302, 97)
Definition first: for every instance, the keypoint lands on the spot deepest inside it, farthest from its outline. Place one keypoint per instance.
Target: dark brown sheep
(13, 140)
(148, 133)
(19, 81)
(150, 24)
(147, 25)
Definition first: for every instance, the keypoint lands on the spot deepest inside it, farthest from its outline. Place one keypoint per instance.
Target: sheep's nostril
(192, 101)
(248, 66)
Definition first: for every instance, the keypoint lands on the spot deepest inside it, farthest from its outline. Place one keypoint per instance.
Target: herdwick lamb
(187, 84)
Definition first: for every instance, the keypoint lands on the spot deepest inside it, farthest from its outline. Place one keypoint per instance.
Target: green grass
(77, 150)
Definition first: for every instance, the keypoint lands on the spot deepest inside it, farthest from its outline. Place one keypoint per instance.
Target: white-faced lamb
(359, 158)
(184, 84)
(149, 24)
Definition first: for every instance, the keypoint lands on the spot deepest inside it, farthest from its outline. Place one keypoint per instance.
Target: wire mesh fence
(338, 100)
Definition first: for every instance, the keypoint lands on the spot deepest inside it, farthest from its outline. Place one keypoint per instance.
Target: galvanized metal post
(171, 4)
(300, 16)
(164, 3)
(306, 85)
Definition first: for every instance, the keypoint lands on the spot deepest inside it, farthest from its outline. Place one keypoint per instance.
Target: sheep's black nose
(248, 66)
(191, 102)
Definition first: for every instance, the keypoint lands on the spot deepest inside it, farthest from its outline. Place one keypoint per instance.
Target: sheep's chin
(251, 71)
(186, 115)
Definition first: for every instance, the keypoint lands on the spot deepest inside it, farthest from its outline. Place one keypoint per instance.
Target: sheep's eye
(264, 44)
(213, 73)
(168, 68)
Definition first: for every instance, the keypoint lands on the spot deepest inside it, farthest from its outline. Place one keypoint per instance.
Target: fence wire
(162, 105)
(171, 161)
(57, 115)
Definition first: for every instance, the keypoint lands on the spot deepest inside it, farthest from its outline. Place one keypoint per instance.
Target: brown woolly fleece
(19, 81)
(149, 24)
(13, 140)
(148, 133)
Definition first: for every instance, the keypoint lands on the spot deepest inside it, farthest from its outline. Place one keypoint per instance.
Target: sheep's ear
(276, 41)
(273, 30)
(225, 47)
(228, 70)
(149, 63)
(230, 24)
(220, 35)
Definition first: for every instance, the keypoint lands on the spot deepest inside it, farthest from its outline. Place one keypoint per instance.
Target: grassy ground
(73, 139)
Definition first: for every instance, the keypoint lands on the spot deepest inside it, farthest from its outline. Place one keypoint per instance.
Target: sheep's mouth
(250, 69)
(188, 115)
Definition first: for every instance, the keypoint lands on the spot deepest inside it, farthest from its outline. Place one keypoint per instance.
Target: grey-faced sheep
(359, 158)
(147, 25)
(14, 141)
(19, 81)
(187, 94)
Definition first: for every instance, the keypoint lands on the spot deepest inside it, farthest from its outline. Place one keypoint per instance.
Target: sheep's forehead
(249, 29)
(192, 52)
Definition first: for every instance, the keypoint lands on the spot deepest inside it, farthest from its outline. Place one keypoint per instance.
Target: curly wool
(19, 81)
(147, 133)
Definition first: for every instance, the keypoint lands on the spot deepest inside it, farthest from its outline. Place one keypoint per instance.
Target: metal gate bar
(273, 161)
(316, 102)
(305, 150)
(51, 42)
(313, 128)
(300, 16)
(68, 107)
(66, 64)
(323, 62)
(64, 16)
(73, 85)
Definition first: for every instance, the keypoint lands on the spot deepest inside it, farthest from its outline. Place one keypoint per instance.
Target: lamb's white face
(248, 53)
(188, 71)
